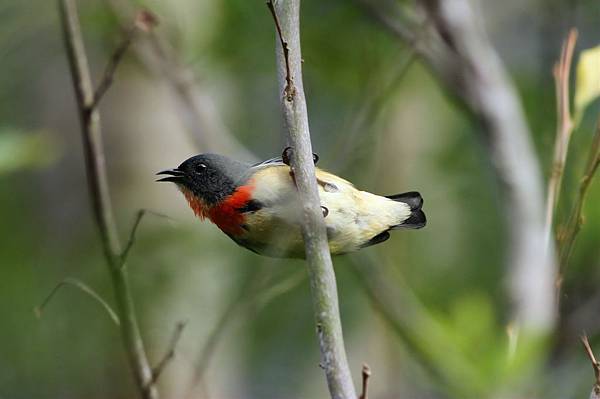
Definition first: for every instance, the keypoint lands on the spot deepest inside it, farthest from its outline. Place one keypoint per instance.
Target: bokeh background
(378, 117)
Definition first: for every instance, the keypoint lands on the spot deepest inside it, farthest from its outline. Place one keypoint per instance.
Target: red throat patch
(225, 214)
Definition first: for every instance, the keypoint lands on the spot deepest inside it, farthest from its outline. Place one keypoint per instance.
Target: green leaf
(588, 81)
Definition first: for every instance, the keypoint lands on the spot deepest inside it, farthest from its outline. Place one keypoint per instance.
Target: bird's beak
(174, 176)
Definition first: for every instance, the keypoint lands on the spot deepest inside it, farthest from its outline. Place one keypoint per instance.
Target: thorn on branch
(143, 21)
(170, 353)
(595, 366)
(38, 310)
(290, 90)
(366, 373)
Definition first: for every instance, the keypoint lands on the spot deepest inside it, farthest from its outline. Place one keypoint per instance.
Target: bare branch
(100, 197)
(132, 234)
(564, 128)
(83, 288)
(254, 292)
(196, 107)
(144, 21)
(595, 394)
(320, 267)
(457, 50)
(170, 353)
(568, 233)
(366, 373)
(477, 75)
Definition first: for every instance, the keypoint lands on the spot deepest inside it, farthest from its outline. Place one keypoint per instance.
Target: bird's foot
(286, 156)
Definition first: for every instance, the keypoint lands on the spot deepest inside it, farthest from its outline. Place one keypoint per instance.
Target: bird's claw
(325, 211)
(286, 156)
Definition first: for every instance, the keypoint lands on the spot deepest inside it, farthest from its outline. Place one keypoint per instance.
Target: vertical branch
(455, 47)
(100, 197)
(564, 127)
(473, 69)
(320, 268)
(568, 233)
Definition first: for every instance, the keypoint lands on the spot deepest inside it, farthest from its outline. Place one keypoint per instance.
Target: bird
(256, 205)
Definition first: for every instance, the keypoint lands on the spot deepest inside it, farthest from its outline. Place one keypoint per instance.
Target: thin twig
(564, 128)
(289, 90)
(83, 288)
(100, 198)
(144, 21)
(131, 240)
(255, 292)
(366, 373)
(568, 233)
(196, 107)
(170, 353)
(320, 267)
(595, 394)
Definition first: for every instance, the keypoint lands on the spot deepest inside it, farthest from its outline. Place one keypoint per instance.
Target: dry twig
(196, 106)
(595, 394)
(100, 197)
(145, 21)
(83, 288)
(568, 233)
(170, 353)
(320, 267)
(366, 373)
(564, 127)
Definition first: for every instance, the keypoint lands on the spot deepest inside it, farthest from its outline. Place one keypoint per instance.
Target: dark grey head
(212, 177)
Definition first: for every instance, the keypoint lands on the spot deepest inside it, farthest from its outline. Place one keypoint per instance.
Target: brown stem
(100, 197)
(564, 127)
(568, 233)
(595, 394)
(366, 373)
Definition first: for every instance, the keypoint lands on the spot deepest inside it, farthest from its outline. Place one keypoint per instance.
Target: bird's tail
(417, 218)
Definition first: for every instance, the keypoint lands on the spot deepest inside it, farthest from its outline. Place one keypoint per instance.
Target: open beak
(174, 176)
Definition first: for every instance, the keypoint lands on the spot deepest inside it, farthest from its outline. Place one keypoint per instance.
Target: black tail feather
(414, 200)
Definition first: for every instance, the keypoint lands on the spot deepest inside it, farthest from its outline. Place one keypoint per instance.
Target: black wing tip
(417, 220)
(411, 198)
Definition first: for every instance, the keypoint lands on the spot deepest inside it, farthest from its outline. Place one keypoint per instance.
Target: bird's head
(207, 177)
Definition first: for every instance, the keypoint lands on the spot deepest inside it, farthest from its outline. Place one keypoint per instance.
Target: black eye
(200, 167)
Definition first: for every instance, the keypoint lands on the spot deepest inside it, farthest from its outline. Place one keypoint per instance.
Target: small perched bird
(257, 205)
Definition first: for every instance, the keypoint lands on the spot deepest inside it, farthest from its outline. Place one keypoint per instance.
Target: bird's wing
(269, 162)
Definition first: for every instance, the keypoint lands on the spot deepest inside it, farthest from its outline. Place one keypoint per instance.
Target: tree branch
(595, 394)
(197, 109)
(366, 374)
(83, 288)
(477, 75)
(170, 353)
(568, 233)
(564, 128)
(100, 197)
(320, 267)
(145, 21)
(457, 50)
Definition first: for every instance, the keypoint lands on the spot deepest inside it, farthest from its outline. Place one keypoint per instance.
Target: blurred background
(439, 326)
